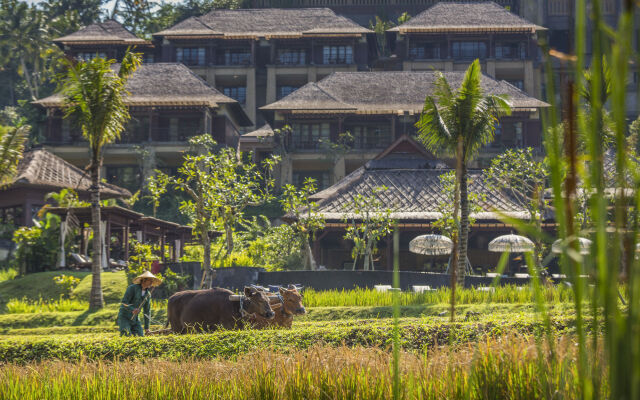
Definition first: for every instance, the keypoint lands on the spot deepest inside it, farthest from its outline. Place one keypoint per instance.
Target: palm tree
(12, 141)
(94, 95)
(459, 123)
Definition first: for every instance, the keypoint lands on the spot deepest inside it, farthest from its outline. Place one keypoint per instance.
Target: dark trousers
(129, 327)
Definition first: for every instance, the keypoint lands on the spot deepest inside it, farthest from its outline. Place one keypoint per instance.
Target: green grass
(414, 336)
(15, 306)
(35, 286)
(113, 286)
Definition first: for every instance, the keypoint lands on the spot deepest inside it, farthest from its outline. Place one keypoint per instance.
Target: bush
(38, 245)
(141, 260)
(24, 306)
(67, 283)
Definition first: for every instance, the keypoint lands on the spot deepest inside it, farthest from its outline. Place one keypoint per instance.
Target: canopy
(559, 245)
(511, 244)
(431, 245)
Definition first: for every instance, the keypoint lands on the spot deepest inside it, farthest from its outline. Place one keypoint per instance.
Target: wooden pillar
(389, 253)
(150, 133)
(125, 240)
(162, 234)
(107, 241)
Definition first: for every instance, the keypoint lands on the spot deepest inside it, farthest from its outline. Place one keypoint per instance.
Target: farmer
(136, 297)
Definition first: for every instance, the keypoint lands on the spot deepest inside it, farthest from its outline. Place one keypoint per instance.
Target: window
(234, 57)
(285, 91)
(371, 136)
(469, 50)
(511, 51)
(559, 40)
(148, 58)
(136, 131)
(87, 56)
(190, 55)
(292, 56)
(309, 136)
(425, 51)
(497, 136)
(188, 127)
(337, 55)
(559, 7)
(12, 215)
(128, 177)
(321, 178)
(517, 83)
(238, 93)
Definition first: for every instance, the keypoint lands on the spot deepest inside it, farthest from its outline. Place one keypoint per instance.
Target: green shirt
(131, 300)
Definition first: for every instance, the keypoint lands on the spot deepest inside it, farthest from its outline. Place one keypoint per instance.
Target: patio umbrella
(431, 245)
(583, 243)
(511, 244)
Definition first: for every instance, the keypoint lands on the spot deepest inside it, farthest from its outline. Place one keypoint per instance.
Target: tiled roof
(467, 17)
(387, 92)
(268, 22)
(110, 31)
(414, 191)
(41, 168)
(166, 84)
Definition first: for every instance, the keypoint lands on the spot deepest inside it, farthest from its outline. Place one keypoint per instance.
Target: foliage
(38, 246)
(368, 222)
(66, 198)
(67, 283)
(157, 187)
(380, 27)
(7, 274)
(140, 260)
(272, 247)
(12, 141)
(305, 219)
(518, 173)
(446, 223)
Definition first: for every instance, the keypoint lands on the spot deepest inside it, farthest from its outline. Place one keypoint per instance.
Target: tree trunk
(464, 226)
(206, 261)
(96, 300)
(229, 235)
(32, 91)
(309, 261)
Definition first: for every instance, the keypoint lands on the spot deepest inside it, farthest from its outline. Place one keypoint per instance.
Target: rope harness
(243, 313)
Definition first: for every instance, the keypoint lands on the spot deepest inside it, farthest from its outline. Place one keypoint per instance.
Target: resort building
(375, 109)
(414, 194)
(168, 104)
(259, 56)
(107, 39)
(448, 36)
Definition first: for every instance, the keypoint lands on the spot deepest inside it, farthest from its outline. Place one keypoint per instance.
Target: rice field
(503, 369)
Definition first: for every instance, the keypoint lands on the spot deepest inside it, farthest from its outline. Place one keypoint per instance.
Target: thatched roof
(42, 169)
(166, 84)
(267, 23)
(414, 191)
(264, 131)
(108, 32)
(467, 17)
(386, 93)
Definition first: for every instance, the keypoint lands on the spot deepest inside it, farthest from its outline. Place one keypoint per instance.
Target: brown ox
(286, 306)
(207, 310)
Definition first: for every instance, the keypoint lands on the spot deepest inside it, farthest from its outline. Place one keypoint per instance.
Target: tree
(446, 223)
(157, 186)
(304, 213)
(368, 222)
(94, 94)
(459, 123)
(518, 173)
(220, 187)
(12, 140)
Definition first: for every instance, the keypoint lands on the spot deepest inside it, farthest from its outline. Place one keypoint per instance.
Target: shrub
(67, 283)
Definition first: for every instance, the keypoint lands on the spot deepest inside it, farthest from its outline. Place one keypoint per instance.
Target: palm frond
(433, 130)
(12, 140)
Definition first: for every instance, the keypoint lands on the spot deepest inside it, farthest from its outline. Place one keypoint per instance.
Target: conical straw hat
(146, 274)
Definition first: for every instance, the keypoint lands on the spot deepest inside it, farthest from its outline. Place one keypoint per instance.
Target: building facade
(259, 56)
(168, 104)
(328, 129)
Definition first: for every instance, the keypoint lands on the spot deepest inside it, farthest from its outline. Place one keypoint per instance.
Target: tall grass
(575, 142)
(491, 370)
(25, 306)
(373, 298)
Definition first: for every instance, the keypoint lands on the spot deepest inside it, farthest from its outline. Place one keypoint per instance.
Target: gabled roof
(467, 17)
(108, 32)
(166, 84)
(42, 169)
(264, 131)
(413, 192)
(267, 23)
(387, 93)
